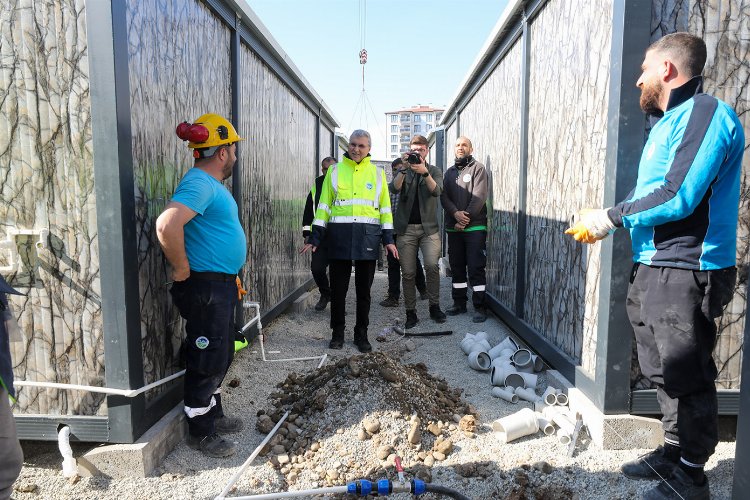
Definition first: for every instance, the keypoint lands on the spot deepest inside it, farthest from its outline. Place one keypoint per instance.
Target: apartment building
(401, 125)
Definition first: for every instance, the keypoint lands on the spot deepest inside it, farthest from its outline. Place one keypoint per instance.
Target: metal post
(235, 50)
(741, 487)
(522, 170)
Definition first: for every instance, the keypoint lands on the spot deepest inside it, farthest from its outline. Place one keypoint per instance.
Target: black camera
(414, 158)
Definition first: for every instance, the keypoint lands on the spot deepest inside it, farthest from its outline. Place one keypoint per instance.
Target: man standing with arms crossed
(419, 186)
(682, 218)
(464, 201)
(354, 214)
(203, 240)
(319, 264)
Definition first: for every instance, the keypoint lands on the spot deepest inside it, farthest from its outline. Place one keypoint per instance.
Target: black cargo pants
(672, 312)
(467, 250)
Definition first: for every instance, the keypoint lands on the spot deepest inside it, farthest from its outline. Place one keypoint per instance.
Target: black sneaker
(336, 344)
(480, 316)
(228, 425)
(411, 319)
(436, 314)
(389, 301)
(652, 465)
(213, 445)
(679, 486)
(322, 303)
(363, 345)
(456, 309)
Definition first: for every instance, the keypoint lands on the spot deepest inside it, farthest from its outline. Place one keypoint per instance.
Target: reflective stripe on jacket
(354, 210)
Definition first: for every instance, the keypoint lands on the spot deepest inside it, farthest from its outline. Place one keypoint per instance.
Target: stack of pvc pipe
(475, 346)
(561, 417)
(507, 377)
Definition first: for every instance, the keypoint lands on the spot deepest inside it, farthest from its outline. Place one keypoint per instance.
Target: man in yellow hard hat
(203, 240)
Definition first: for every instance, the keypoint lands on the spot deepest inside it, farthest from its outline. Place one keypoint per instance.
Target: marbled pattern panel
(277, 174)
(569, 82)
(725, 26)
(492, 121)
(326, 136)
(171, 80)
(47, 182)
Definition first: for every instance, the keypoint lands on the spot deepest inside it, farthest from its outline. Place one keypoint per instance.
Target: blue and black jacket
(683, 211)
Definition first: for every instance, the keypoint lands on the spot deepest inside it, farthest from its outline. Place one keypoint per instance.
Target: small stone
(283, 459)
(445, 447)
(278, 450)
(26, 487)
(468, 423)
(429, 461)
(543, 466)
(434, 429)
(388, 374)
(410, 346)
(292, 477)
(339, 431)
(235, 382)
(469, 435)
(362, 435)
(438, 456)
(521, 478)
(456, 417)
(383, 452)
(74, 479)
(314, 447)
(415, 434)
(264, 424)
(371, 425)
(333, 474)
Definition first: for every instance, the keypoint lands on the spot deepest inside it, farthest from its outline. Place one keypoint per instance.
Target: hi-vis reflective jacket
(354, 211)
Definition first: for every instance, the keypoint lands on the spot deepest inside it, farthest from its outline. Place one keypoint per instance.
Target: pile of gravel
(336, 441)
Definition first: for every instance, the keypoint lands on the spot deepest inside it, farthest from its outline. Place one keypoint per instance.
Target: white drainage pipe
(69, 465)
(479, 336)
(561, 398)
(545, 425)
(519, 424)
(527, 394)
(505, 394)
(537, 362)
(522, 360)
(505, 345)
(502, 364)
(549, 396)
(506, 376)
(529, 379)
(479, 360)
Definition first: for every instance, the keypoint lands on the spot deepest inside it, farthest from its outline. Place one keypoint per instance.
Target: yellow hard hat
(208, 131)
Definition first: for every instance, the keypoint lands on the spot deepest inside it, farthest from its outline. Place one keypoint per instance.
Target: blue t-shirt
(214, 239)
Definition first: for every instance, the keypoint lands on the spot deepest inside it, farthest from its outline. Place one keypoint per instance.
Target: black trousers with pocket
(341, 271)
(673, 313)
(467, 250)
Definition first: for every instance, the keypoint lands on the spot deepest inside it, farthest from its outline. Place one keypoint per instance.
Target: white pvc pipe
(252, 456)
(479, 360)
(69, 465)
(506, 376)
(128, 393)
(563, 437)
(480, 345)
(522, 359)
(527, 394)
(549, 396)
(519, 424)
(564, 423)
(537, 362)
(562, 398)
(466, 343)
(479, 336)
(502, 363)
(291, 494)
(529, 379)
(504, 394)
(545, 425)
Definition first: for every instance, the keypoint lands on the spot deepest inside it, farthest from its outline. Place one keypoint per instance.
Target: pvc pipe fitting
(479, 360)
(496, 351)
(545, 425)
(537, 362)
(514, 379)
(466, 344)
(507, 343)
(506, 376)
(481, 336)
(502, 363)
(69, 465)
(562, 398)
(505, 394)
(527, 394)
(529, 379)
(522, 359)
(564, 423)
(563, 437)
(519, 424)
(550, 396)
(480, 345)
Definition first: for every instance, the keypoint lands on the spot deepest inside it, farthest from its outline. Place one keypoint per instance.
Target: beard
(226, 172)
(651, 97)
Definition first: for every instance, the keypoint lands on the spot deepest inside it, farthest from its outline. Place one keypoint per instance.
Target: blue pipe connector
(385, 487)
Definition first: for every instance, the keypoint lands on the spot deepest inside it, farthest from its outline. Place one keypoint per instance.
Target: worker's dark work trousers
(11, 455)
(341, 271)
(672, 312)
(208, 309)
(319, 268)
(394, 275)
(468, 250)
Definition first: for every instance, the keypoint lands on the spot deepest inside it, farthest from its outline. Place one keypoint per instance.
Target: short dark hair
(395, 163)
(686, 51)
(419, 140)
(326, 159)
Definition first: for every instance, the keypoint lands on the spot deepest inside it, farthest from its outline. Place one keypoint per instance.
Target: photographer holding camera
(415, 223)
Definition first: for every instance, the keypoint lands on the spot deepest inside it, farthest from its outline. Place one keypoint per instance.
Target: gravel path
(479, 465)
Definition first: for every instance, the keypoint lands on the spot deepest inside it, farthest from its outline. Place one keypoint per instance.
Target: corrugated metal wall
(46, 168)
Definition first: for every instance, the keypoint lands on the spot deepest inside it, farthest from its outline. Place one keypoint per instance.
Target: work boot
(322, 303)
(213, 445)
(679, 486)
(389, 301)
(360, 340)
(480, 315)
(456, 309)
(337, 340)
(436, 314)
(652, 465)
(228, 425)
(411, 319)
(423, 294)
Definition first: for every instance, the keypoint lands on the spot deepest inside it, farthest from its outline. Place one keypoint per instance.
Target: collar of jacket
(678, 96)
(469, 162)
(347, 159)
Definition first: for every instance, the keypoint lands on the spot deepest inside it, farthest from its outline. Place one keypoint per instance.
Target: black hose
(449, 492)
(429, 334)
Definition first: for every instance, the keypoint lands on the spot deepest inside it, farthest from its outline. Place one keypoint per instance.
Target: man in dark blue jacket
(682, 217)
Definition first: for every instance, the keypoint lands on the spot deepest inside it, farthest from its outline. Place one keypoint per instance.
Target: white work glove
(593, 225)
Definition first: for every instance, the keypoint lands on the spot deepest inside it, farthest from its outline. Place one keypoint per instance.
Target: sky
(419, 52)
